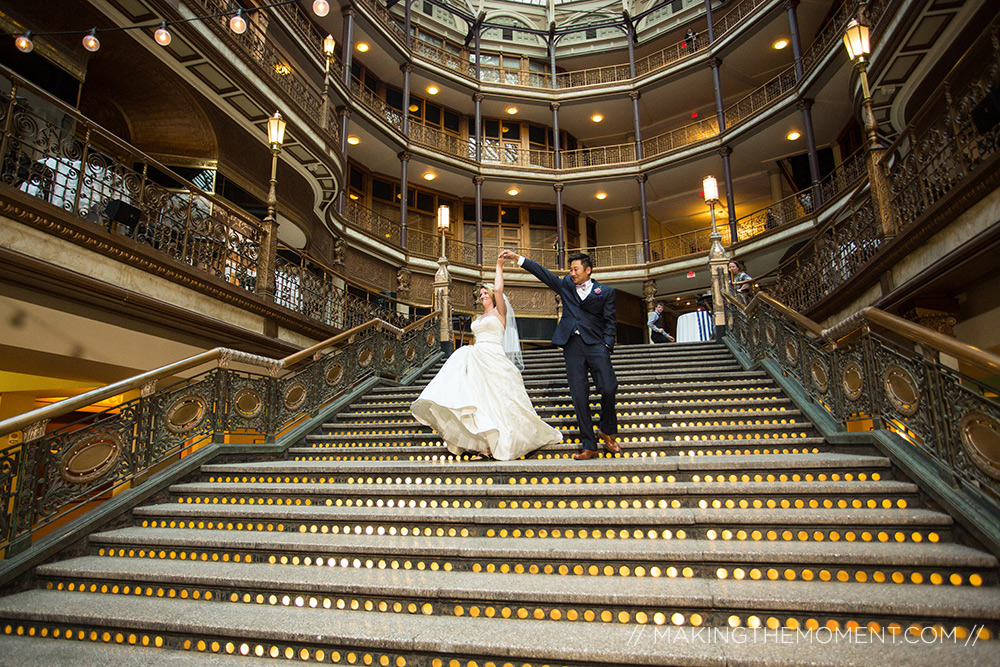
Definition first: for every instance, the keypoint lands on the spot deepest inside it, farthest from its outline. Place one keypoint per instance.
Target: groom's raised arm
(534, 269)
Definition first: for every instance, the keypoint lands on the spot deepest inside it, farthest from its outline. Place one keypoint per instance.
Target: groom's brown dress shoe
(610, 443)
(586, 454)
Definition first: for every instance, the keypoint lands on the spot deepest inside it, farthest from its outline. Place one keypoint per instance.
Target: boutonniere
(597, 290)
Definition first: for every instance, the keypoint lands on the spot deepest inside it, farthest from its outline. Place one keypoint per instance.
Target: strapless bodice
(488, 329)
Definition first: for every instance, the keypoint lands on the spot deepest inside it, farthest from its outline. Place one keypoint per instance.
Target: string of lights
(237, 23)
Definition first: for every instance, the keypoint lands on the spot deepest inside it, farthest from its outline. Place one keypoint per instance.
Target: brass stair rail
(73, 403)
(876, 316)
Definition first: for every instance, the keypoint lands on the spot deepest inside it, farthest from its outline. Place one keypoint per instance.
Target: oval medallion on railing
(820, 378)
(853, 380)
(365, 356)
(430, 338)
(981, 439)
(90, 458)
(388, 354)
(901, 389)
(295, 395)
(792, 351)
(334, 374)
(248, 403)
(755, 334)
(186, 413)
(771, 334)
(411, 352)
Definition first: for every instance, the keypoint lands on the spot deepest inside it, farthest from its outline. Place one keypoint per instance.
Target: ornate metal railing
(257, 51)
(764, 96)
(376, 105)
(933, 155)
(926, 163)
(309, 288)
(46, 476)
(731, 19)
(442, 141)
(799, 206)
(598, 156)
(375, 225)
(856, 373)
(50, 151)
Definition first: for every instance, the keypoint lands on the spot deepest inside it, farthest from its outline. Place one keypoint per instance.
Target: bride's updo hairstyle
(489, 290)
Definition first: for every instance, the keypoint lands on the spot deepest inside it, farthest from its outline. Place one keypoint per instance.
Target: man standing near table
(657, 334)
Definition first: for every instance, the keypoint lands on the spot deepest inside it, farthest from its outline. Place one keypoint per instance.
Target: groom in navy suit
(586, 333)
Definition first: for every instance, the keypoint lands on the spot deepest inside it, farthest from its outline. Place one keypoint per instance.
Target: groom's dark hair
(584, 259)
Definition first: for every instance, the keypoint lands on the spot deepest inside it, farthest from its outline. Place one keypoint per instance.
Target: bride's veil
(511, 340)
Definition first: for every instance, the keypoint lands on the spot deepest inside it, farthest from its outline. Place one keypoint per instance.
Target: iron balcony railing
(927, 162)
(47, 475)
(50, 151)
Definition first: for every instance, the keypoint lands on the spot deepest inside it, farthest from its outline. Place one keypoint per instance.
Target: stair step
(866, 525)
(673, 468)
(364, 637)
(560, 599)
(799, 494)
(925, 563)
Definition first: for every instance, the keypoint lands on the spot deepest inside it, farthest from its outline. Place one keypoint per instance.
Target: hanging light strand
(24, 42)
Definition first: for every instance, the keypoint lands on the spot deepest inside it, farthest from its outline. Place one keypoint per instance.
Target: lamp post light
(267, 256)
(859, 49)
(858, 45)
(329, 46)
(442, 283)
(717, 259)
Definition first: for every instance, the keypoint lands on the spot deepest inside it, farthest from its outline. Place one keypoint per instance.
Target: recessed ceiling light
(362, 47)
(511, 110)
(601, 195)
(780, 44)
(353, 140)
(429, 176)
(597, 118)
(513, 192)
(414, 108)
(354, 197)
(793, 135)
(432, 90)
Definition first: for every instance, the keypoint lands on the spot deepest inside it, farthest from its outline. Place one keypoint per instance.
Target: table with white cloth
(694, 327)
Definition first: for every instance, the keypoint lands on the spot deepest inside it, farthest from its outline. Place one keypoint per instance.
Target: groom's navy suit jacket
(593, 317)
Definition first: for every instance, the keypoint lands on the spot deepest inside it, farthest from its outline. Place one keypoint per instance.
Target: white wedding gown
(477, 401)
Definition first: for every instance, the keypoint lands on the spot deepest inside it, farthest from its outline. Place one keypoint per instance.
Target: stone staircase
(728, 531)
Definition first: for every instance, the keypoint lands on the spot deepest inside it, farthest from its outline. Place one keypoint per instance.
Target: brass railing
(925, 164)
(47, 476)
(868, 368)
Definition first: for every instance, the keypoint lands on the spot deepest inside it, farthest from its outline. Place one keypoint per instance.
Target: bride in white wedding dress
(477, 401)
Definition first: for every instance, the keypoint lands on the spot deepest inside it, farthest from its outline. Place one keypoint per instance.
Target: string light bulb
(90, 42)
(162, 35)
(24, 43)
(238, 24)
(321, 7)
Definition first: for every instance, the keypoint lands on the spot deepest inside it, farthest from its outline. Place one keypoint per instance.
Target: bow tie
(583, 286)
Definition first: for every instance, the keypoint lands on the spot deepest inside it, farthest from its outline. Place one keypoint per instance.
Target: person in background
(740, 282)
(655, 323)
(691, 40)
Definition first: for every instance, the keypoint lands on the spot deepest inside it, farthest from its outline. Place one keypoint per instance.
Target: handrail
(911, 330)
(761, 297)
(923, 335)
(296, 357)
(71, 404)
